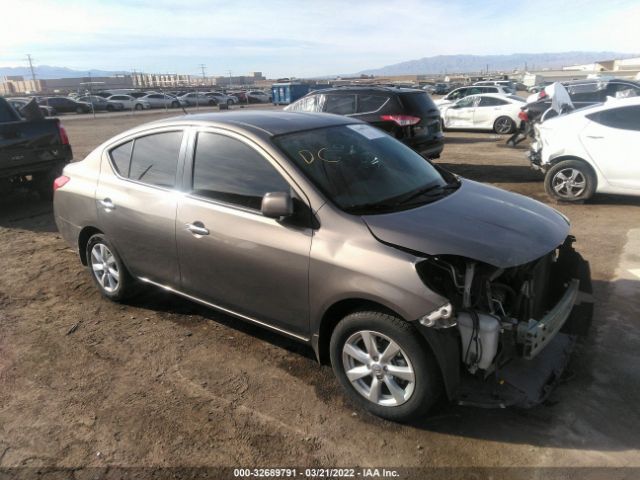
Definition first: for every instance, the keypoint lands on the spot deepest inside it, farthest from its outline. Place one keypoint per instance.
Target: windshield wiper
(404, 199)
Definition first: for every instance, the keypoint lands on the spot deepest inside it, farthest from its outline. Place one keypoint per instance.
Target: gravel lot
(164, 382)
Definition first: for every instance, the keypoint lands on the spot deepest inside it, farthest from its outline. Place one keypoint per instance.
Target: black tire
(175, 104)
(138, 106)
(212, 103)
(109, 108)
(570, 192)
(427, 385)
(229, 102)
(126, 285)
(504, 125)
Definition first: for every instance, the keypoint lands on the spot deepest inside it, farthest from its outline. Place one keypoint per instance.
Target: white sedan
(593, 149)
(129, 102)
(489, 111)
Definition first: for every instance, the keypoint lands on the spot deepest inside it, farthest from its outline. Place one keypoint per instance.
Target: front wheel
(107, 269)
(138, 106)
(504, 125)
(383, 365)
(175, 104)
(570, 181)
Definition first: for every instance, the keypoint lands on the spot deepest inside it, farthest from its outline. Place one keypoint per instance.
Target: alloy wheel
(105, 267)
(569, 183)
(503, 125)
(378, 368)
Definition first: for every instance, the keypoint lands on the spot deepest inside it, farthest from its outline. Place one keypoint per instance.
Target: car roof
(368, 89)
(600, 80)
(263, 123)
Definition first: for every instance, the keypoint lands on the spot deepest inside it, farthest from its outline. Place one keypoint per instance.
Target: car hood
(476, 221)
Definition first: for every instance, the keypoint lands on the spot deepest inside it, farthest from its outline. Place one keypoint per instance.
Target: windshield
(362, 169)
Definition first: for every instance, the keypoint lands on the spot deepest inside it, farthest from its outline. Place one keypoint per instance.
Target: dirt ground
(164, 382)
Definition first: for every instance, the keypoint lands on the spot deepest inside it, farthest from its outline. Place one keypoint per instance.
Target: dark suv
(407, 114)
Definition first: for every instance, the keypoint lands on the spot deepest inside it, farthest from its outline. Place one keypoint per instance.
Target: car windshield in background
(362, 169)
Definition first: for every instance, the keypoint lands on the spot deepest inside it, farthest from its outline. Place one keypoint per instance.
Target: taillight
(542, 94)
(60, 182)
(523, 116)
(401, 120)
(64, 138)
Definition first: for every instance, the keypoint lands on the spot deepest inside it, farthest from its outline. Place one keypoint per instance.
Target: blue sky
(299, 38)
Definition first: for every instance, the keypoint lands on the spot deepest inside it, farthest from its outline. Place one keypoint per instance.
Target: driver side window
(230, 171)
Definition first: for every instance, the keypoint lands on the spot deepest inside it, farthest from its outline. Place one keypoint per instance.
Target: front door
(230, 254)
(460, 115)
(136, 201)
(612, 139)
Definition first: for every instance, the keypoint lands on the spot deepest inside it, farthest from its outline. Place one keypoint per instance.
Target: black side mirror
(277, 205)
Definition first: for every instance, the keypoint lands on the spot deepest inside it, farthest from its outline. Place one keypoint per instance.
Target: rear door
(612, 139)
(136, 201)
(487, 110)
(340, 103)
(236, 258)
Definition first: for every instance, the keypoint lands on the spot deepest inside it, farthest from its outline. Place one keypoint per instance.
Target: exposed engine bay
(509, 316)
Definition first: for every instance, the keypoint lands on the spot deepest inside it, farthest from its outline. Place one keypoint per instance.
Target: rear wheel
(570, 181)
(383, 365)
(504, 125)
(108, 270)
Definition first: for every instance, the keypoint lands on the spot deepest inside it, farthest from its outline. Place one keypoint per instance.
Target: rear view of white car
(594, 149)
(490, 111)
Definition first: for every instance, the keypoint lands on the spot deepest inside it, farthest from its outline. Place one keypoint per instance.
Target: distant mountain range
(476, 63)
(46, 71)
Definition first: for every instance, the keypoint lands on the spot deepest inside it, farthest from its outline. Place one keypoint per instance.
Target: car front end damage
(514, 327)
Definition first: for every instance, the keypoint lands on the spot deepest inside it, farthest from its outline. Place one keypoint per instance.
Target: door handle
(595, 137)
(107, 204)
(197, 228)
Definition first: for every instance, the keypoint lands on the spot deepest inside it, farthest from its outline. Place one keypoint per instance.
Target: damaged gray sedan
(411, 282)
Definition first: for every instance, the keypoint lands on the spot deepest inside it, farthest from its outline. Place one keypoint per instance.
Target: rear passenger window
(230, 171)
(371, 103)
(491, 102)
(625, 118)
(120, 158)
(155, 159)
(341, 104)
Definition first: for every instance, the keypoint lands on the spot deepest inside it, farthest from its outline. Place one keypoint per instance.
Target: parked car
(539, 87)
(441, 89)
(193, 99)
(222, 98)
(32, 151)
(411, 282)
(65, 104)
(507, 85)
(489, 111)
(162, 100)
(102, 104)
(583, 93)
(130, 102)
(462, 92)
(241, 95)
(594, 149)
(19, 103)
(406, 114)
(256, 96)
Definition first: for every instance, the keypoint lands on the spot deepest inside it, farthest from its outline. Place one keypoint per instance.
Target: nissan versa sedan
(411, 282)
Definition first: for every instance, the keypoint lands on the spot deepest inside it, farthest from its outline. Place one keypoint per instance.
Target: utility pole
(33, 72)
(229, 71)
(203, 67)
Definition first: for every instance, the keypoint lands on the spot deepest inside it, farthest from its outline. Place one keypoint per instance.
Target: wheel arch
(561, 158)
(443, 344)
(83, 238)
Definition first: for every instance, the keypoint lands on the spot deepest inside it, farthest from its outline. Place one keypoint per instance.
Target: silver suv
(410, 281)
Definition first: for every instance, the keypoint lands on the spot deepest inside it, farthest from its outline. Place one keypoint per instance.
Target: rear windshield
(418, 102)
